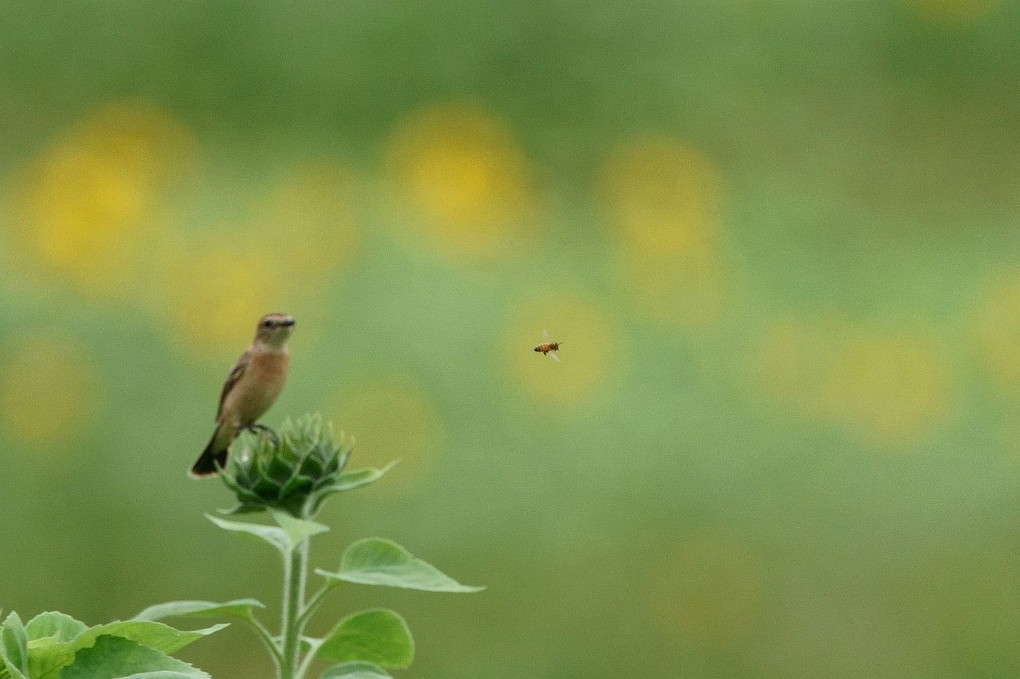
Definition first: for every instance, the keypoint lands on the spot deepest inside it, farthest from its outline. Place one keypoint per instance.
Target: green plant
(291, 478)
(56, 646)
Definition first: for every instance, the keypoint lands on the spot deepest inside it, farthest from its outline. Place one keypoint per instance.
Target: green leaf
(374, 561)
(380, 636)
(297, 529)
(346, 481)
(14, 643)
(277, 537)
(9, 671)
(44, 662)
(238, 608)
(356, 670)
(118, 658)
(361, 477)
(54, 624)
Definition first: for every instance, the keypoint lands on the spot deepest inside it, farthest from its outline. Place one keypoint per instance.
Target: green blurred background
(778, 239)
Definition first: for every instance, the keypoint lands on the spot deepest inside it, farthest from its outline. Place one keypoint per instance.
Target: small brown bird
(548, 347)
(251, 388)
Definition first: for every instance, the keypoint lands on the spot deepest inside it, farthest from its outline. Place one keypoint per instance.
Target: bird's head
(273, 330)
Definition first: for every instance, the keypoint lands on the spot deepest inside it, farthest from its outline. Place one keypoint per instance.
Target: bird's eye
(267, 324)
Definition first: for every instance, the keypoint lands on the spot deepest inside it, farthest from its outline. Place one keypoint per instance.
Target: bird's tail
(214, 454)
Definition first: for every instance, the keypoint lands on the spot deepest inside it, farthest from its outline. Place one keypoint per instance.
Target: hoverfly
(548, 347)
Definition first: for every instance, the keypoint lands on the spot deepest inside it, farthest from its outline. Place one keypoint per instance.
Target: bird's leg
(255, 427)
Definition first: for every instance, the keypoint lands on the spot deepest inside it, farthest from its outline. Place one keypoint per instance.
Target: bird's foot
(262, 429)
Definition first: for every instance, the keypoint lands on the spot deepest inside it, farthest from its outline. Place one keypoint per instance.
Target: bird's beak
(289, 322)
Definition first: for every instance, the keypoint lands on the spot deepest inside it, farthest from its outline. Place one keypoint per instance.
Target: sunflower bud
(294, 471)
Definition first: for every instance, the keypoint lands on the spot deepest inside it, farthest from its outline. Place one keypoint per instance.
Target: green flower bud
(294, 471)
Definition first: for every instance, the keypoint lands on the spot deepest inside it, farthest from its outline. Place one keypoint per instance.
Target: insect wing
(555, 355)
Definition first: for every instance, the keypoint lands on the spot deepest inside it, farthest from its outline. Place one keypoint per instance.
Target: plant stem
(316, 601)
(267, 640)
(295, 572)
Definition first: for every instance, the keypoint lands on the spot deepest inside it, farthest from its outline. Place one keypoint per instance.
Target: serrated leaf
(346, 481)
(44, 663)
(119, 658)
(374, 561)
(54, 624)
(14, 643)
(378, 635)
(362, 477)
(238, 608)
(298, 485)
(9, 671)
(234, 484)
(297, 529)
(356, 670)
(275, 536)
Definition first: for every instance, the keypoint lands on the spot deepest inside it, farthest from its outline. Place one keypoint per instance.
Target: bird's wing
(235, 375)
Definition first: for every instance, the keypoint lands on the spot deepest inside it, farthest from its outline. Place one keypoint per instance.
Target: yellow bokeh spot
(48, 391)
(890, 388)
(952, 12)
(212, 291)
(692, 290)
(708, 594)
(663, 200)
(590, 356)
(85, 207)
(465, 176)
(996, 329)
(309, 222)
(663, 197)
(391, 419)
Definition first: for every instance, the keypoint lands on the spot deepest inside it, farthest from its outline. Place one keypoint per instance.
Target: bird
(250, 390)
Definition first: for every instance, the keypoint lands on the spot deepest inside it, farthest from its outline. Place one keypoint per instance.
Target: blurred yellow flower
(692, 290)
(995, 328)
(309, 222)
(464, 174)
(391, 419)
(591, 355)
(952, 12)
(85, 207)
(891, 388)
(211, 290)
(662, 196)
(708, 594)
(48, 390)
(664, 200)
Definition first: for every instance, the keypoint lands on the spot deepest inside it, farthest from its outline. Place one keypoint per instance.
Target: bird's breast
(262, 382)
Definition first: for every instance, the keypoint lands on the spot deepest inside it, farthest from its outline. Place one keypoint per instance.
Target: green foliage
(355, 670)
(374, 561)
(114, 657)
(378, 635)
(291, 478)
(277, 537)
(14, 644)
(56, 646)
(238, 608)
(53, 627)
(297, 529)
(295, 473)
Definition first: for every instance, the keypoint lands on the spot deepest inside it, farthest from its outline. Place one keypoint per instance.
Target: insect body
(548, 347)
